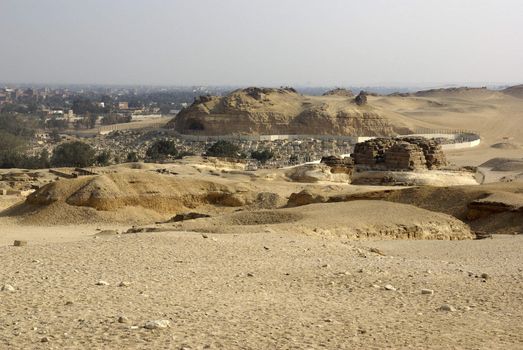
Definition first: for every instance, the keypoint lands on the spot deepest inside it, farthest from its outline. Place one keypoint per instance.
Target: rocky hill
(516, 91)
(255, 111)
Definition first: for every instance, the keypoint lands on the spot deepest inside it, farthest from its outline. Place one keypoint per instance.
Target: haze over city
(270, 42)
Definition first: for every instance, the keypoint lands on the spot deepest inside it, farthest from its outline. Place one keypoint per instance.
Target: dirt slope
(357, 220)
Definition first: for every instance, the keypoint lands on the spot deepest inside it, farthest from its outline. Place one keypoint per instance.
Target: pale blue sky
(261, 42)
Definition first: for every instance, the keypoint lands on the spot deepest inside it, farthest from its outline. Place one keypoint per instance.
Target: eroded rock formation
(261, 111)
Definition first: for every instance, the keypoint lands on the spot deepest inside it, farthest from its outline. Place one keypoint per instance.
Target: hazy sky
(261, 42)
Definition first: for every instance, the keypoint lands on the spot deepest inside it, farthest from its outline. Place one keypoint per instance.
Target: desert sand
(267, 290)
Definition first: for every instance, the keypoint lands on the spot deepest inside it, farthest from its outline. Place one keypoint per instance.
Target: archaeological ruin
(404, 154)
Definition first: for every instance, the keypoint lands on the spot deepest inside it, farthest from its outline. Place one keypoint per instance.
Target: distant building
(123, 105)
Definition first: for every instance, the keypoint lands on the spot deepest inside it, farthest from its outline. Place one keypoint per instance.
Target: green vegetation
(115, 119)
(223, 149)
(73, 154)
(262, 156)
(88, 121)
(161, 149)
(103, 158)
(132, 157)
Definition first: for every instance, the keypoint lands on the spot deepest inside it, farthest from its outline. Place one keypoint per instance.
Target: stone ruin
(339, 165)
(408, 153)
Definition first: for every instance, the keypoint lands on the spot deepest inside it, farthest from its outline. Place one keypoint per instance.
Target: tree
(11, 149)
(40, 161)
(55, 123)
(88, 121)
(103, 158)
(223, 149)
(161, 149)
(262, 156)
(116, 119)
(132, 157)
(73, 154)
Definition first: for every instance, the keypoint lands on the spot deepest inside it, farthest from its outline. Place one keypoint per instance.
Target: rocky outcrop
(361, 99)
(516, 91)
(305, 197)
(261, 111)
(339, 92)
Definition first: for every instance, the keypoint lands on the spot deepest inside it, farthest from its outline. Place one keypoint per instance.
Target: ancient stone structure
(372, 152)
(409, 153)
(434, 156)
(404, 155)
(339, 165)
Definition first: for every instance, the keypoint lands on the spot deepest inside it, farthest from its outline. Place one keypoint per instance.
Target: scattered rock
(102, 283)
(8, 288)
(106, 233)
(188, 216)
(250, 274)
(427, 291)
(124, 284)
(485, 276)
(389, 287)
(377, 251)
(204, 235)
(446, 307)
(482, 235)
(157, 324)
(44, 340)
(123, 319)
(18, 243)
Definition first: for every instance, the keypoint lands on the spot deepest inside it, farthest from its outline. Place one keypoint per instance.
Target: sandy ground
(261, 291)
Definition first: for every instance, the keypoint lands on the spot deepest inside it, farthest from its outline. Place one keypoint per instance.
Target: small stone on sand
(156, 324)
(389, 287)
(8, 288)
(446, 307)
(18, 243)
